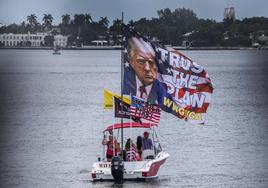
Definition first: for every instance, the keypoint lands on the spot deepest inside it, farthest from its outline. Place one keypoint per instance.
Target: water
(52, 121)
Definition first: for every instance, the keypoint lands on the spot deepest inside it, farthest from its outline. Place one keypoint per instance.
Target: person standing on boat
(147, 143)
(112, 147)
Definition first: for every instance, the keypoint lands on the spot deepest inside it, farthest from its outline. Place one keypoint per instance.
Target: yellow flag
(108, 99)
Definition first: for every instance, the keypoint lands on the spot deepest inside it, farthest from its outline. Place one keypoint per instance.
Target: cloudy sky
(16, 11)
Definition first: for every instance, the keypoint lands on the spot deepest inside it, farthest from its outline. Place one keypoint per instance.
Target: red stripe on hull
(153, 169)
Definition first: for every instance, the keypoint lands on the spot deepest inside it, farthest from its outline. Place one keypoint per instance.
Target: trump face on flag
(141, 70)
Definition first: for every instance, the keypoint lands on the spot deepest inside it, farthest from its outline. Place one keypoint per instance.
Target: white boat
(146, 168)
(56, 51)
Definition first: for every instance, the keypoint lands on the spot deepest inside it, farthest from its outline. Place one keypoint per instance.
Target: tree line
(178, 27)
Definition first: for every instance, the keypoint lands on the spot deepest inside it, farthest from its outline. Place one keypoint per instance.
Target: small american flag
(131, 154)
(140, 108)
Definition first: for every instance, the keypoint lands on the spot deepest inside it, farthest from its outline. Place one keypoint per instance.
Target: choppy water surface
(52, 121)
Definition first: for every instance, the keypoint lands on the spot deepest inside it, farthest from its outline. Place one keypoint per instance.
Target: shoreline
(119, 48)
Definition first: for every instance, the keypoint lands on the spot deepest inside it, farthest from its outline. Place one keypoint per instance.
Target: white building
(11, 39)
(99, 42)
(60, 40)
(33, 40)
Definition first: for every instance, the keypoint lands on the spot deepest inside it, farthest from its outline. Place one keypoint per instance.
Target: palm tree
(88, 18)
(79, 20)
(104, 22)
(65, 19)
(116, 27)
(32, 19)
(103, 25)
(65, 24)
(115, 30)
(47, 21)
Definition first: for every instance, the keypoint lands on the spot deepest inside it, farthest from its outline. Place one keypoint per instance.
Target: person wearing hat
(147, 143)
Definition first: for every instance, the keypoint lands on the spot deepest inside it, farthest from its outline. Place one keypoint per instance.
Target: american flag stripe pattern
(131, 154)
(141, 109)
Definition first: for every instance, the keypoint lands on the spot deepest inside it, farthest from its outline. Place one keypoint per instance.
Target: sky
(16, 11)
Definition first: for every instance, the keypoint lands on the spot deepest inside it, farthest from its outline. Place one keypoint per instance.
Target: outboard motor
(117, 169)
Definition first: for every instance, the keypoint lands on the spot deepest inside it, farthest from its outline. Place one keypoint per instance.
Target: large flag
(166, 77)
(108, 99)
(141, 109)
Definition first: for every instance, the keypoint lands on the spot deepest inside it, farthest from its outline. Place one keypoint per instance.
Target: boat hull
(56, 53)
(146, 169)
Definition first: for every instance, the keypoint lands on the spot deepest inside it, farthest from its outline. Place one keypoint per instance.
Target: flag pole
(122, 84)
